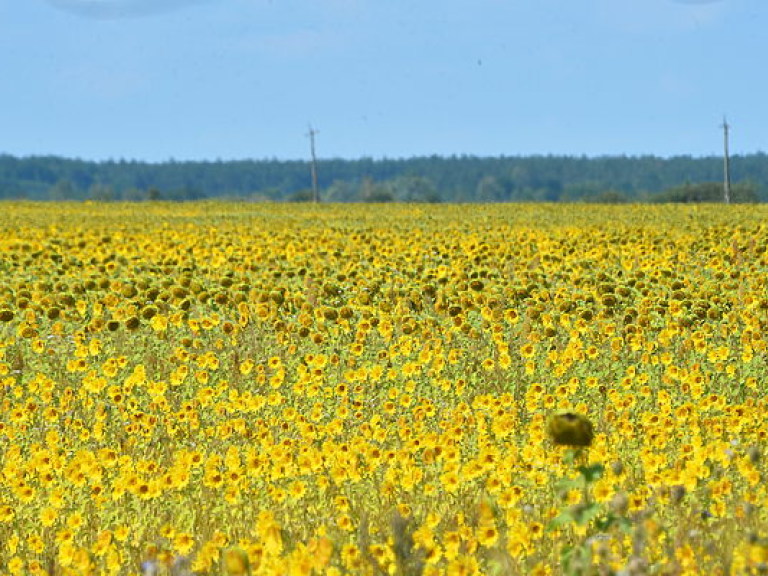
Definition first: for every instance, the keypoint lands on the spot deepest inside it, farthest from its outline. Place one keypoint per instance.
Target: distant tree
(742, 192)
(154, 195)
(745, 192)
(101, 193)
(606, 197)
(133, 195)
(371, 191)
(420, 179)
(379, 196)
(62, 190)
(489, 189)
(414, 189)
(551, 190)
(583, 190)
(305, 195)
(272, 194)
(342, 191)
(265, 196)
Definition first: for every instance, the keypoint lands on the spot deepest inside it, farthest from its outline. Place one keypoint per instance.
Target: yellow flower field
(290, 389)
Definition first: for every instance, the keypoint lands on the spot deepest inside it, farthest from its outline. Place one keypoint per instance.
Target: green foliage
(741, 192)
(379, 196)
(596, 518)
(606, 197)
(611, 180)
(302, 196)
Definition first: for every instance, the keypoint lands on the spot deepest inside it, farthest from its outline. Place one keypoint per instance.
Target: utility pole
(726, 165)
(311, 134)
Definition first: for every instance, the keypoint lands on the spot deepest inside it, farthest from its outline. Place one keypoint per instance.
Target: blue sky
(233, 79)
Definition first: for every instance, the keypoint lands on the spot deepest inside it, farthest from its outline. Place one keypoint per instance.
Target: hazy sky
(233, 79)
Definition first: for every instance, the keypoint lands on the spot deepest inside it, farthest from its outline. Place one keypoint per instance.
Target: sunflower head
(569, 429)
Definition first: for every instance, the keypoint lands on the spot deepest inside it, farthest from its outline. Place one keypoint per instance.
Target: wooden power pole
(311, 134)
(726, 165)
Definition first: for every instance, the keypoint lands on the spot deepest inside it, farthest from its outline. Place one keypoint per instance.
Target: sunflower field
(215, 388)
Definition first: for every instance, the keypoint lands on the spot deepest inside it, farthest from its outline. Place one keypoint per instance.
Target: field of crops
(366, 389)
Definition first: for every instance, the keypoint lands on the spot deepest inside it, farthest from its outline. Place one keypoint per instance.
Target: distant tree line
(610, 179)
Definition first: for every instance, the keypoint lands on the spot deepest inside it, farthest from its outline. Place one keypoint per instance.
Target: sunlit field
(293, 389)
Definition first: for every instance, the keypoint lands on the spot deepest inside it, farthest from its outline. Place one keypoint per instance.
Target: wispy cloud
(116, 9)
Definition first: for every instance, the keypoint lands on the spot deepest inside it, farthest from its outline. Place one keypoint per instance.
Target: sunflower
(569, 429)
(235, 562)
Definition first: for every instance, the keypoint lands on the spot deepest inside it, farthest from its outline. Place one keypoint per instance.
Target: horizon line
(454, 156)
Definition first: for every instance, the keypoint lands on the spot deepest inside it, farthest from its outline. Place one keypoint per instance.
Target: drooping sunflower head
(570, 429)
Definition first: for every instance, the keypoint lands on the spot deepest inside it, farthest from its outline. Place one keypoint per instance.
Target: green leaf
(570, 455)
(604, 524)
(566, 484)
(625, 524)
(575, 559)
(567, 552)
(607, 522)
(584, 514)
(563, 519)
(592, 473)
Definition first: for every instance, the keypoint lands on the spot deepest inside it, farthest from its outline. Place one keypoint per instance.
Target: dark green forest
(609, 179)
